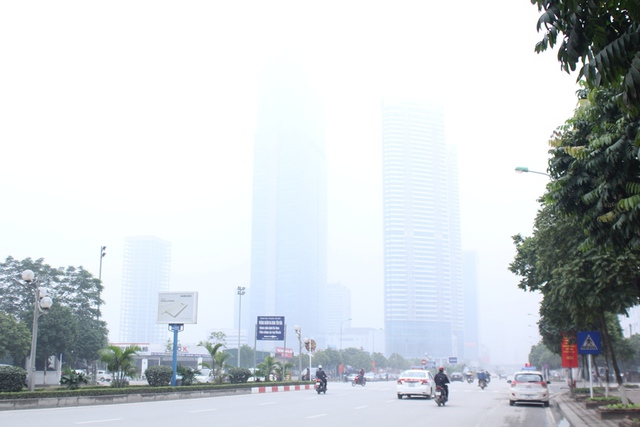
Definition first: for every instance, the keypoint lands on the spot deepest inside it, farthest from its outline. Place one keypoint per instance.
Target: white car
(205, 376)
(103, 376)
(415, 382)
(528, 387)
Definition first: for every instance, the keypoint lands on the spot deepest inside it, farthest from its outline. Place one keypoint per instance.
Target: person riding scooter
(442, 380)
(322, 376)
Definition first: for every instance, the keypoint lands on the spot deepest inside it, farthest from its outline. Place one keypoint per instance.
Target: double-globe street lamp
(42, 304)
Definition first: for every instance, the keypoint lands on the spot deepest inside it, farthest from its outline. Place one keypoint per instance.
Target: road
(374, 405)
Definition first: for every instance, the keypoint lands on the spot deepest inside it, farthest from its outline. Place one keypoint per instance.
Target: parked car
(528, 387)
(415, 382)
(205, 376)
(456, 376)
(103, 376)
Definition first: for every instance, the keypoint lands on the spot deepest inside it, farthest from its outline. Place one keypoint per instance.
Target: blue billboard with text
(270, 328)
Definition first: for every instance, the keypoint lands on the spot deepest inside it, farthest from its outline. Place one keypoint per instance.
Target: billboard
(270, 328)
(569, 349)
(177, 307)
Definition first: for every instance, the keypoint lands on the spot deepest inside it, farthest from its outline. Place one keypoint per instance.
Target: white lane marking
(202, 410)
(267, 403)
(98, 421)
(316, 416)
(362, 407)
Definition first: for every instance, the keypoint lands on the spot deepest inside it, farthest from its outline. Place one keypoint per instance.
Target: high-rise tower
(147, 262)
(424, 308)
(289, 227)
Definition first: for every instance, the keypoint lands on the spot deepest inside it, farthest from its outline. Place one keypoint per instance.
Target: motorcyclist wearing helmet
(322, 376)
(442, 380)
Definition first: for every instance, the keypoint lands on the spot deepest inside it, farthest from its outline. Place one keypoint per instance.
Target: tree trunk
(614, 362)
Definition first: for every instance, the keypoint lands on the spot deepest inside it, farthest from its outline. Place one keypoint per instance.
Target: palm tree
(221, 365)
(268, 367)
(283, 369)
(120, 363)
(212, 349)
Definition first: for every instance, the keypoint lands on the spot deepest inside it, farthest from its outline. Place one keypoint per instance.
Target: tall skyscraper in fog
(289, 226)
(147, 262)
(424, 307)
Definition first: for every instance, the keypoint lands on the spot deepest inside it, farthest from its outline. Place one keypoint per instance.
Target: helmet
(441, 369)
(319, 366)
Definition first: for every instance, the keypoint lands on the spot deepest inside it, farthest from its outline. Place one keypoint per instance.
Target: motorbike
(321, 387)
(356, 381)
(482, 384)
(469, 379)
(441, 396)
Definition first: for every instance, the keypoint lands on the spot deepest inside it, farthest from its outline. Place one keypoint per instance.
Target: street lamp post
(42, 304)
(102, 254)
(299, 334)
(341, 359)
(241, 291)
(522, 169)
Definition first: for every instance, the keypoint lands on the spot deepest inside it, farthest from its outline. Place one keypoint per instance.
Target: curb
(275, 389)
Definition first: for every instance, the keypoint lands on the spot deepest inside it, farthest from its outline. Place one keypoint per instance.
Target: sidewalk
(579, 416)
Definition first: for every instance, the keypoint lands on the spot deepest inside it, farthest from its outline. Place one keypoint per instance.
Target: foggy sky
(137, 118)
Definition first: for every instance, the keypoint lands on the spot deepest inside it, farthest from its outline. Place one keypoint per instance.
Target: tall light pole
(341, 358)
(299, 334)
(102, 254)
(240, 293)
(42, 304)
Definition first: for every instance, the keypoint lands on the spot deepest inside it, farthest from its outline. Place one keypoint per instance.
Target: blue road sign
(270, 328)
(453, 360)
(589, 342)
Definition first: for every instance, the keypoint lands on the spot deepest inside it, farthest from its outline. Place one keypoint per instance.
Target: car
(456, 376)
(528, 387)
(415, 382)
(205, 376)
(103, 376)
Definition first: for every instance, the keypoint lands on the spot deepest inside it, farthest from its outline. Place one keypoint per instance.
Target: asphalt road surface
(374, 405)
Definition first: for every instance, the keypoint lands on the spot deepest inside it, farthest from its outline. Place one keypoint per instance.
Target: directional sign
(589, 342)
(453, 360)
(270, 328)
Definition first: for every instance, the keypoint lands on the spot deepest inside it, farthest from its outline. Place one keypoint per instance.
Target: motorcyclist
(442, 380)
(322, 376)
(482, 377)
(361, 376)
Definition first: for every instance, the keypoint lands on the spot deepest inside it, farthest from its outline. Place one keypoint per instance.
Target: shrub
(12, 378)
(238, 375)
(72, 379)
(188, 374)
(159, 375)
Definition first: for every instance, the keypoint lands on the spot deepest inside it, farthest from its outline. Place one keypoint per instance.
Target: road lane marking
(202, 410)
(362, 407)
(98, 421)
(316, 416)
(267, 403)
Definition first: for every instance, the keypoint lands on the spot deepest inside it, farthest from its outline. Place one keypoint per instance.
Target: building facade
(146, 270)
(423, 298)
(289, 223)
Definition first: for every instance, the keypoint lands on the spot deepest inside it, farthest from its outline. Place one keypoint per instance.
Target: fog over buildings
(154, 119)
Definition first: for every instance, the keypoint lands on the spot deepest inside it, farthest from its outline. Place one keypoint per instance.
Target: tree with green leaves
(269, 367)
(580, 286)
(541, 356)
(120, 363)
(73, 288)
(603, 36)
(15, 340)
(283, 368)
(398, 362)
(214, 351)
(596, 173)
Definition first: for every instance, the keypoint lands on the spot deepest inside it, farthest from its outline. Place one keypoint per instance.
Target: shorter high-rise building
(147, 262)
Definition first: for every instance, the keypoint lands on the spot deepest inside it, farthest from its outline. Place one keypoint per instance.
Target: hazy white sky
(126, 118)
